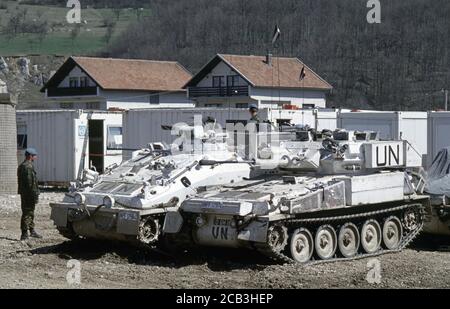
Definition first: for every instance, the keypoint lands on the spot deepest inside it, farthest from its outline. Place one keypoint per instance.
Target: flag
(302, 74)
(276, 34)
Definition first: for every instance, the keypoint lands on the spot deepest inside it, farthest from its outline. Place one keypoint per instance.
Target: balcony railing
(71, 92)
(237, 91)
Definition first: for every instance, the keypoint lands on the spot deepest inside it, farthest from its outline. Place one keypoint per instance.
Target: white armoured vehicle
(129, 201)
(350, 195)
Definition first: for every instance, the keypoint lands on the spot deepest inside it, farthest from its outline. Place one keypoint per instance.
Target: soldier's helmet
(31, 152)
(253, 107)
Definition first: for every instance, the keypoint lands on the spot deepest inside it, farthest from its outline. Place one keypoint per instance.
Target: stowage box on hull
(374, 189)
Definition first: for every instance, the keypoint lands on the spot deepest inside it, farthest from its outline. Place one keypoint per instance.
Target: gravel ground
(43, 263)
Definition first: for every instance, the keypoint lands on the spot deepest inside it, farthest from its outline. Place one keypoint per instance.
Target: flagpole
(279, 83)
(275, 38)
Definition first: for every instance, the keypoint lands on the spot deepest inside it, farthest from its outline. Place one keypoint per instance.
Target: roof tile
(284, 72)
(139, 75)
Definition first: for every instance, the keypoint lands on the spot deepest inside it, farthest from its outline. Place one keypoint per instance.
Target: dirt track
(43, 264)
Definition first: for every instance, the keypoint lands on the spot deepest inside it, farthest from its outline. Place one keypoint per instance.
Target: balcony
(237, 91)
(71, 92)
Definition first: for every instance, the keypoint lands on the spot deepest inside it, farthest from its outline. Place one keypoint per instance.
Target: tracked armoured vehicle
(347, 196)
(438, 188)
(129, 201)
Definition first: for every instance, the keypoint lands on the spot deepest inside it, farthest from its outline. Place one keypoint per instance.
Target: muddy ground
(43, 263)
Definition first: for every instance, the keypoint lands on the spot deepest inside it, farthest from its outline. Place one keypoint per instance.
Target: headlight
(79, 198)
(108, 201)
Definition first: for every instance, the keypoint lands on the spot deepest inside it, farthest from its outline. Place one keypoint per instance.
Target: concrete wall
(8, 146)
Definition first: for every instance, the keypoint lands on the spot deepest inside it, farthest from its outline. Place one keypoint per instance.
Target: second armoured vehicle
(438, 187)
(351, 197)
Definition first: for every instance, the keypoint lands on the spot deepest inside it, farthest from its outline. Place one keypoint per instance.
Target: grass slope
(91, 38)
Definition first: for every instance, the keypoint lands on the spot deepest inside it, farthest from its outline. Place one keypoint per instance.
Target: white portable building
(69, 141)
(143, 126)
(438, 133)
(410, 126)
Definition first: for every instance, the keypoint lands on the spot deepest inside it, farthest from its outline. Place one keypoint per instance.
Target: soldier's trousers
(27, 220)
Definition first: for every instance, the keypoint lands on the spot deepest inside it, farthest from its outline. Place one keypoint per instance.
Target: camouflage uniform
(255, 119)
(29, 194)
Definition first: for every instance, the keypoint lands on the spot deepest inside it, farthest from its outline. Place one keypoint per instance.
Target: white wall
(72, 104)
(222, 69)
(224, 102)
(410, 126)
(296, 97)
(52, 134)
(141, 127)
(76, 72)
(140, 99)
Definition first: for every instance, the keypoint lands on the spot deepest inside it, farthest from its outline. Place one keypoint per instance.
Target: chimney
(269, 59)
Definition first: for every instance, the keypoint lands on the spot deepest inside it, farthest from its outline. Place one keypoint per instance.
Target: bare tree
(75, 32)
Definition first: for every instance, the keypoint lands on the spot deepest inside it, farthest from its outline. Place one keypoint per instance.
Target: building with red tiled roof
(105, 83)
(237, 81)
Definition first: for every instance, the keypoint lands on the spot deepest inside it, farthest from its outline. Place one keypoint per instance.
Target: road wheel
(392, 233)
(301, 245)
(325, 242)
(371, 236)
(348, 240)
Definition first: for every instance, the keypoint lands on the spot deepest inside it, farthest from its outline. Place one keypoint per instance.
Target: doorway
(96, 145)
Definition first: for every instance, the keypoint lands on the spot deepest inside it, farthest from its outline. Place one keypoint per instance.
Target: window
(114, 137)
(214, 105)
(84, 82)
(93, 105)
(22, 136)
(154, 98)
(218, 81)
(309, 106)
(73, 82)
(66, 105)
(241, 105)
(233, 80)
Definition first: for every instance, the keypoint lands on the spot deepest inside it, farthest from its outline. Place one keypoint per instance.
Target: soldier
(29, 193)
(253, 109)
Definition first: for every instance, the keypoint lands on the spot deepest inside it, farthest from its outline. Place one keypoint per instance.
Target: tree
(75, 32)
(402, 59)
(117, 11)
(109, 32)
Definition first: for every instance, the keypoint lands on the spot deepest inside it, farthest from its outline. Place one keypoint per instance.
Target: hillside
(37, 36)
(400, 64)
(43, 29)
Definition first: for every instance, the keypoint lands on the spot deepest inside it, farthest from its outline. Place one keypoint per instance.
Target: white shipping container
(299, 117)
(69, 141)
(326, 119)
(143, 126)
(438, 133)
(410, 126)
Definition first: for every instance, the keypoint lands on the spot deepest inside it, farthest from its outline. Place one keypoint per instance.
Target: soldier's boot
(34, 234)
(24, 235)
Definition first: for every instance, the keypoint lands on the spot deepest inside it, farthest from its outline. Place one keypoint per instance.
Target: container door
(96, 142)
(81, 147)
